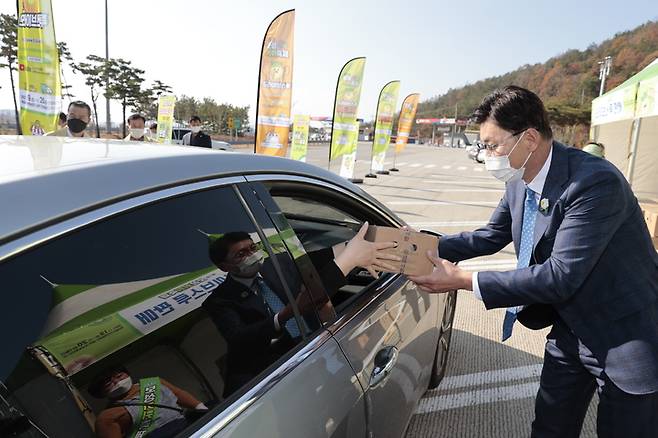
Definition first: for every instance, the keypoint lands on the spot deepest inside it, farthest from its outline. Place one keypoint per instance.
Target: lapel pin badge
(543, 206)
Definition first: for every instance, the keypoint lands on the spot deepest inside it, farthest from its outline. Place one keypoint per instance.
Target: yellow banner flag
(275, 87)
(38, 67)
(300, 138)
(166, 105)
(406, 121)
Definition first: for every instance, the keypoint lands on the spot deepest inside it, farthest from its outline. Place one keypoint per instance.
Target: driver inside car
(251, 308)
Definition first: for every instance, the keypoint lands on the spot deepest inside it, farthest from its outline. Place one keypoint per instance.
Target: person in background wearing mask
(77, 121)
(586, 266)
(153, 131)
(136, 124)
(595, 148)
(61, 121)
(196, 137)
(150, 407)
(250, 308)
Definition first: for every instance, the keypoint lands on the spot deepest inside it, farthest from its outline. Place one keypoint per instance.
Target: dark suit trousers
(569, 378)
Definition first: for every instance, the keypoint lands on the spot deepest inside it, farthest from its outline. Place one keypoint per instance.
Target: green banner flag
(300, 138)
(388, 100)
(38, 67)
(344, 132)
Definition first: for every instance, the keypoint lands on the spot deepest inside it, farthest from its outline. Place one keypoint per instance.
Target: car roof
(45, 179)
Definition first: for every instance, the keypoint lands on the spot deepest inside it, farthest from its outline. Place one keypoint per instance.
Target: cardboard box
(650, 212)
(412, 247)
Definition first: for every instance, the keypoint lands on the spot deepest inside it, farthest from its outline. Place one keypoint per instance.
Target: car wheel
(445, 335)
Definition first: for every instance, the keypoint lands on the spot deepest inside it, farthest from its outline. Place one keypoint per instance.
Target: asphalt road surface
(490, 387)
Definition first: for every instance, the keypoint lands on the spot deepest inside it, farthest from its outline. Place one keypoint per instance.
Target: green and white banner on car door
(388, 100)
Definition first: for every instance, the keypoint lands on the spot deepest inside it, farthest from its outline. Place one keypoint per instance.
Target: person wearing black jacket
(196, 137)
(251, 308)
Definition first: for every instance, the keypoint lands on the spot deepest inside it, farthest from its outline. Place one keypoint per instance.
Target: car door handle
(385, 360)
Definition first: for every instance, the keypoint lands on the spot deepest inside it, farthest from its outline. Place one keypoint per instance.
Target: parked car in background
(106, 264)
(178, 133)
(472, 152)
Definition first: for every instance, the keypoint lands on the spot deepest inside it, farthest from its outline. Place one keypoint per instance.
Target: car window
(174, 301)
(322, 218)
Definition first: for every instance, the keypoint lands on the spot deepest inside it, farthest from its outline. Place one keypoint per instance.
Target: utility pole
(604, 72)
(454, 129)
(108, 120)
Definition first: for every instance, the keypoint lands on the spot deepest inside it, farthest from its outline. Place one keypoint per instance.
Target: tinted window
(321, 219)
(136, 297)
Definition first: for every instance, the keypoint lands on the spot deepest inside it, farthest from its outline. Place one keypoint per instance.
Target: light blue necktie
(276, 305)
(525, 251)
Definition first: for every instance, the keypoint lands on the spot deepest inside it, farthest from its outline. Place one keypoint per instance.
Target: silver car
(117, 311)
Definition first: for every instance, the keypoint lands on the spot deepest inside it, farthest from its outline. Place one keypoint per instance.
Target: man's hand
(445, 277)
(368, 255)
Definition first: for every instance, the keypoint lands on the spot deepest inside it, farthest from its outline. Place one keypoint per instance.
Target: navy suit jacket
(593, 264)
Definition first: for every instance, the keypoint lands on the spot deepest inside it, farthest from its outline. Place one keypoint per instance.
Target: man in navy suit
(586, 267)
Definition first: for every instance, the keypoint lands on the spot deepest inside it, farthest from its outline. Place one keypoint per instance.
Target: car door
(315, 392)
(126, 286)
(387, 328)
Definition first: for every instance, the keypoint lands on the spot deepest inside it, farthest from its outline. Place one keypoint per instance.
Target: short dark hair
(95, 388)
(514, 109)
(219, 249)
(80, 104)
(195, 119)
(136, 117)
(63, 117)
(153, 126)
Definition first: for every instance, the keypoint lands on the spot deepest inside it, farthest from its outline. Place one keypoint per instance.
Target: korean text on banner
(388, 100)
(275, 87)
(647, 98)
(345, 132)
(349, 157)
(300, 138)
(166, 105)
(38, 67)
(406, 121)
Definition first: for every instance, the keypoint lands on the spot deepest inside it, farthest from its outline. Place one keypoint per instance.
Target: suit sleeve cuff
(476, 286)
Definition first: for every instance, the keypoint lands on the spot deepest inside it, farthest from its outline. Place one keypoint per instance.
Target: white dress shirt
(537, 186)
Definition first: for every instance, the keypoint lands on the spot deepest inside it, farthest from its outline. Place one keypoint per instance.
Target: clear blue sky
(212, 48)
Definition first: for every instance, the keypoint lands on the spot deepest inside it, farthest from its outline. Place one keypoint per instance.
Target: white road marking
(447, 166)
(416, 165)
(461, 168)
(478, 169)
(465, 203)
(430, 166)
(478, 397)
(404, 163)
(488, 377)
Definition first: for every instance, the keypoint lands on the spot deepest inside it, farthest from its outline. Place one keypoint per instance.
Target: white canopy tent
(625, 120)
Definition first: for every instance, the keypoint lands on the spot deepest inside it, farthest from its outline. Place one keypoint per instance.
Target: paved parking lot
(490, 387)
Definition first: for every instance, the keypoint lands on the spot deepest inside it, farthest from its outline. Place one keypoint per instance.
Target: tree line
(566, 83)
(117, 79)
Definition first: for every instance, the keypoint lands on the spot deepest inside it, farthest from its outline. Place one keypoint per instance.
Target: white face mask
(195, 129)
(250, 266)
(120, 388)
(137, 132)
(501, 168)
